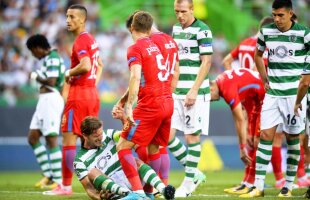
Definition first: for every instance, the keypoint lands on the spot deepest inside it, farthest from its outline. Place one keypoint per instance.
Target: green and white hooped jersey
(104, 158)
(53, 67)
(287, 52)
(193, 41)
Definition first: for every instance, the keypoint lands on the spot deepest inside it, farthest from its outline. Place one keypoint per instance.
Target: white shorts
(47, 116)
(193, 119)
(120, 178)
(280, 110)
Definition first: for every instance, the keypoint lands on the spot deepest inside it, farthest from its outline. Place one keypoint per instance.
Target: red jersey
(153, 85)
(241, 86)
(245, 53)
(169, 49)
(84, 45)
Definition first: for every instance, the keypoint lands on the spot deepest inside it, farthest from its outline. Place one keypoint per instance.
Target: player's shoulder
(300, 27)
(249, 40)
(80, 154)
(202, 25)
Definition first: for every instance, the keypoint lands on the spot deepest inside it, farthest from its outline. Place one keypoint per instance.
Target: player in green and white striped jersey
(47, 117)
(98, 168)
(192, 94)
(288, 44)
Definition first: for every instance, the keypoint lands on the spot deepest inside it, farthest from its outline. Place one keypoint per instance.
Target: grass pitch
(20, 185)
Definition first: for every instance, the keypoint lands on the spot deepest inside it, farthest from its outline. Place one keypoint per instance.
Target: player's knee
(139, 162)
(93, 173)
(33, 137)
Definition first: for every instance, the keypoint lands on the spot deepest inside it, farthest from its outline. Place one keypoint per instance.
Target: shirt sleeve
(204, 38)
(80, 169)
(134, 56)
(234, 52)
(82, 48)
(261, 45)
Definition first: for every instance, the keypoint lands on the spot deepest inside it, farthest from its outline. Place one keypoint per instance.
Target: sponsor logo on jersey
(281, 52)
(272, 36)
(206, 33)
(183, 50)
(170, 45)
(103, 161)
(151, 49)
(82, 52)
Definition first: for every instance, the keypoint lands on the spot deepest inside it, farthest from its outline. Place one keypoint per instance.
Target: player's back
(245, 53)
(152, 85)
(83, 86)
(169, 49)
(243, 84)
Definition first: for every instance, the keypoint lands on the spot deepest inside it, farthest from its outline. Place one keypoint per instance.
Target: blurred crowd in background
(21, 18)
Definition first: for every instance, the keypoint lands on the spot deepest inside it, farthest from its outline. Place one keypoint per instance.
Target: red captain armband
(241, 146)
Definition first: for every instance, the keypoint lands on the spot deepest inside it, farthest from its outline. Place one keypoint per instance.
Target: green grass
(19, 185)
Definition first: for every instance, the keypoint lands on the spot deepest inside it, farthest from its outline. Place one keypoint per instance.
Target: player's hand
(105, 194)
(250, 141)
(267, 86)
(296, 107)
(129, 114)
(67, 75)
(118, 112)
(190, 98)
(245, 157)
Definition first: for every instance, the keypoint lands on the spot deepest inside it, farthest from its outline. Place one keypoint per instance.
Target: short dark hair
(282, 4)
(79, 7)
(142, 22)
(37, 40)
(265, 21)
(90, 124)
(130, 19)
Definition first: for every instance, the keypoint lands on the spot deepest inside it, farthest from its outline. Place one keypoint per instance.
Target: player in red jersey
(149, 123)
(246, 90)
(244, 52)
(83, 99)
(169, 50)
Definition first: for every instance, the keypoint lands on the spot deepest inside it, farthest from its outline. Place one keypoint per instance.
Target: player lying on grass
(98, 168)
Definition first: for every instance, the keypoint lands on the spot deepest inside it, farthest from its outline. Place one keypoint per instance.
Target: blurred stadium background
(229, 20)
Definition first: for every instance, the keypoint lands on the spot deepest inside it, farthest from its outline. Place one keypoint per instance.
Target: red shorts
(75, 112)
(153, 127)
(253, 112)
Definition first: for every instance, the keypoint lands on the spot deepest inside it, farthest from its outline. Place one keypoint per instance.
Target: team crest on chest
(293, 38)
(188, 35)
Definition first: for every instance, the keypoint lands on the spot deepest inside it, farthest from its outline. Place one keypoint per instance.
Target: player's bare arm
(134, 81)
(301, 92)
(90, 189)
(99, 71)
(83, 67)
(240, 123)
(259, 62)
(175, 77)
(227, 62)
(202, 73)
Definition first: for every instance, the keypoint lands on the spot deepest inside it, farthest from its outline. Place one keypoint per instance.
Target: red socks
(129, 166)
(68, 155)
(276, 161)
